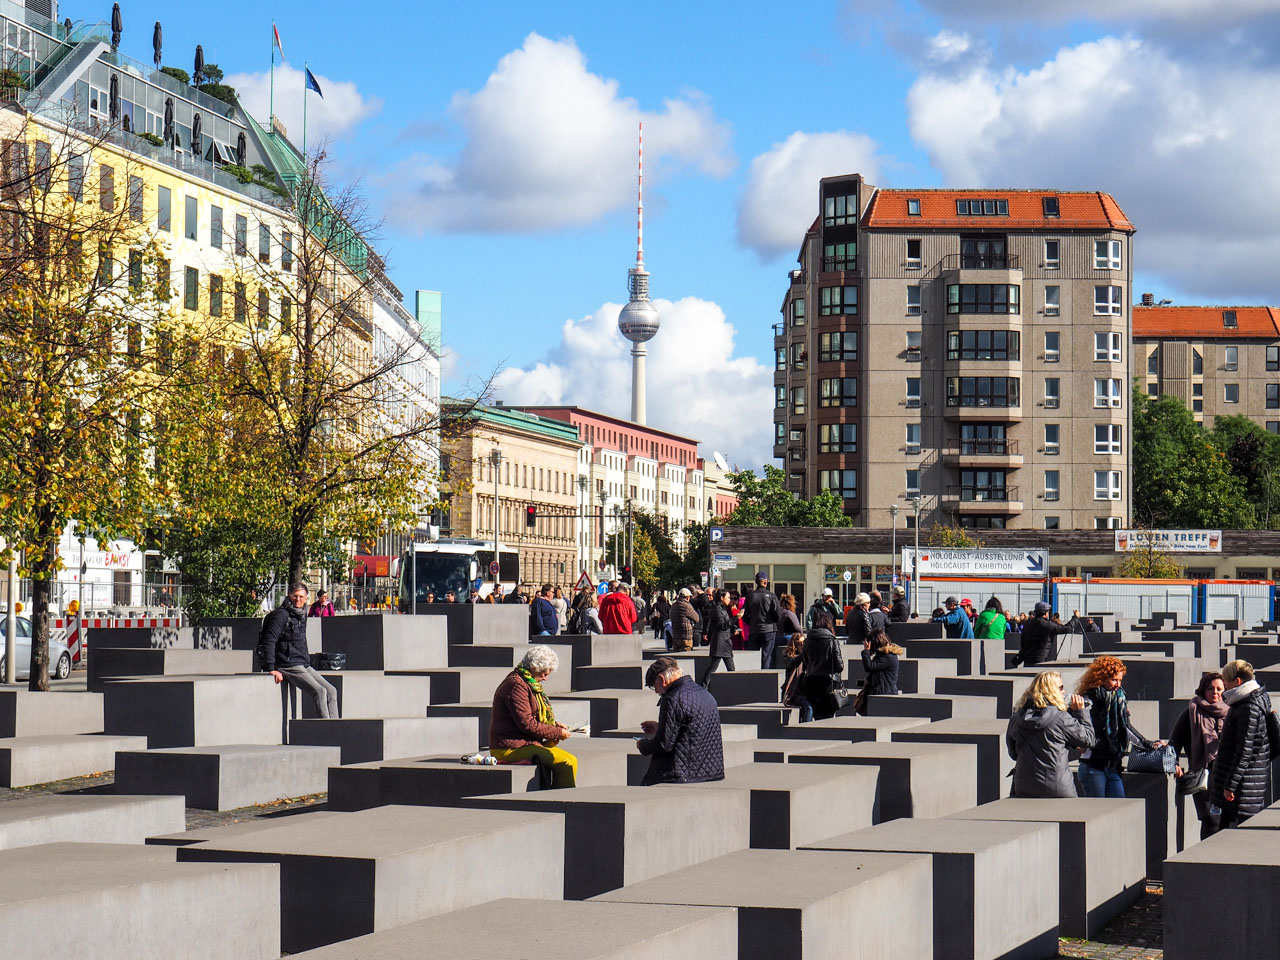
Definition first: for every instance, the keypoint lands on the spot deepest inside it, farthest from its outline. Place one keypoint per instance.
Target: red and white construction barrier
(73, 631)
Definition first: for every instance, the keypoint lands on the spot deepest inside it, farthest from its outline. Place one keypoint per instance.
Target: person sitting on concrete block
(522, 725)
(282, 649)
(1041, 732)
(685, 744)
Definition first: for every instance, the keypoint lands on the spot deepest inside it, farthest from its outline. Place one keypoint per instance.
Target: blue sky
(496, 142)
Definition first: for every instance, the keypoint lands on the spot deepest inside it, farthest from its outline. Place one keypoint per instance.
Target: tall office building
(968, 347)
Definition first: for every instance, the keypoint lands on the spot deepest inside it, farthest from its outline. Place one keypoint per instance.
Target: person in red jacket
(617, 612)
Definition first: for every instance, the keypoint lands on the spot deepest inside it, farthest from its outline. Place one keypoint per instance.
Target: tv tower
(638, 321)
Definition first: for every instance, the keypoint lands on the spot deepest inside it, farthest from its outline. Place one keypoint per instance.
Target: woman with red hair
(1103, 692)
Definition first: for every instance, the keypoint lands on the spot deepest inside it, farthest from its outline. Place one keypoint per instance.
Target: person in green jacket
(991, 623)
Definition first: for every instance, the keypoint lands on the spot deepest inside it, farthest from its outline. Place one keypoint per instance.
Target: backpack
(260, 651)
(578, 622)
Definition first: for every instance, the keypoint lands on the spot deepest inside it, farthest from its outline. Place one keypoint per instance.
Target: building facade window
(797, 401)
(286, 251)
(164, 201)
(191, 289)
(242, 235)
(1052, 254)
(264, 243)
(843, 483)
(1051, 487)
(839, 301)
(913, 438)
(1106, 393)
(1106, 485)
(1106, 254)
(137, 191)
(914, 260)
(979, 485)
(838, 438)
(241, 303)
(797, 312)
(1273, 396)
(982, 392)
(982, 298)
(1231, 358)
(838, 392)
(1052, 346)
(1106, 438)
(799, 354)
(780, 359)
(1052, 394)
(913, 345)
(913, 300)
(913, 391)
(841, 346)
(1108, 301)
(107, 187)
(1052, 301)
(215, 227)
(1052, 439)
(215, 295)
(1153, 362)
(1273, 358)
(840, 256)
(1197, 363)
(1107, 346)
(1051, 523)
(983, 439)
(913, 482)
(1231, 393)
(983, 345)
(780, 397)
(839, 211)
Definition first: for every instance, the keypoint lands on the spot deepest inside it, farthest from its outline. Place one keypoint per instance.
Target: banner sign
(1169, 541)
(948, 562)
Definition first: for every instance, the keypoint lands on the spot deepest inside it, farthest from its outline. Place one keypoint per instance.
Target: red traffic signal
(530, 516)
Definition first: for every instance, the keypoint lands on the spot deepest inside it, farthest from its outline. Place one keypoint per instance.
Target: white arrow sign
(946, 562)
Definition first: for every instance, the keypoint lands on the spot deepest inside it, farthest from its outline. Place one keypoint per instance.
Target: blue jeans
(1100, 781)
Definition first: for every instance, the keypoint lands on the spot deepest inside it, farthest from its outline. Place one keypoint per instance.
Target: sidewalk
(1138, 932)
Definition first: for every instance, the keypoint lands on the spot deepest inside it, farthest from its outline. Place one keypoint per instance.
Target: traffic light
(626, 573)
(531, 517)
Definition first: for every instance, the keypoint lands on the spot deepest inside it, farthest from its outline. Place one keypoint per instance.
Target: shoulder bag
(1159, 760)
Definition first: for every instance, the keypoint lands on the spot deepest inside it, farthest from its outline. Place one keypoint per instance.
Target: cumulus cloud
(342, 109)
(696, 386)
(548, 144)
(947, 45)
(1185, 148)
(780, 198)
(1222, 11)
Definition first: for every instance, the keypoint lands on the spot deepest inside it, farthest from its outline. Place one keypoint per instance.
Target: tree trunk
(297, 549)
(42, 572)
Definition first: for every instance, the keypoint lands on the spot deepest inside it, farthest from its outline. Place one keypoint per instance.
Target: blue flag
(312, 85)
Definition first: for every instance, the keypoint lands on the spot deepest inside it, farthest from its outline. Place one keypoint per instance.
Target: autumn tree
(89, 351)
(766, 502)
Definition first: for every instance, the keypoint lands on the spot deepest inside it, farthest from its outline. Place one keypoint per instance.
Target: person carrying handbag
(1197, 733)
(823, 668)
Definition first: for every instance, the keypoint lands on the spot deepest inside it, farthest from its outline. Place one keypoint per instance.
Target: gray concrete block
(445, 782)
(1268, 819)
(481, 622)
(194, 711)
(607, 761)
(853, 728)
(385, 739)
(395, 865)
(1005, 689)
(131, 662)
(1101, 854)
(368, 694)
(237, 828)
(915, 674)
(27, 714)
(227, 777)
(590, 649)
(770, 719)
(25, 761)
(617, 709)
(605, 676)
(104, 819)
(1220, 897)
(930, 706)
(378, 642)
(1161, 678)
(1171, 823)
(970, 656)
(746, 686)
(565, 930)
(69, 901)
(904, 633)
(810, 904)
(142, 638)
(793, 805)
(984, 907)
(778, 750)
(609, 834)
(987, 736)
(464, 684)
(572, 713)
(916, 779)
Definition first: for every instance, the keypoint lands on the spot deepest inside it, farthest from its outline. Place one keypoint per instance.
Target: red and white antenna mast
(640, 201)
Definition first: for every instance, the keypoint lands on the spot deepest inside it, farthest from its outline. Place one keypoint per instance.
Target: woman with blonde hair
(1041, 732)
(1103, 692)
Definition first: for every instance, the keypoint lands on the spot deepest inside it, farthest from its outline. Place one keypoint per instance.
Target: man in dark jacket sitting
(684, 745)
(283, 651)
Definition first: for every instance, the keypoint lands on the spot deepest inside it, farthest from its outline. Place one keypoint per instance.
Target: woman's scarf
(1115, 730)
(1206, 727)
(545, 713)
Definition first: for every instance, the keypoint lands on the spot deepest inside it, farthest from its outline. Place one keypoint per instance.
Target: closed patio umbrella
(195, 135)
(113, 107)
(157, 41)
(198, 75)
(168, 120)
(117, 25)
(241, 148)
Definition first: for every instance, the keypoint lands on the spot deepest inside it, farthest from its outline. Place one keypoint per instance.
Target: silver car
(59, 654)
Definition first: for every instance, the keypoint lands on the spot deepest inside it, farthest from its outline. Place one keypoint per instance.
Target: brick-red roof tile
(1176, 323)
(1088, 211)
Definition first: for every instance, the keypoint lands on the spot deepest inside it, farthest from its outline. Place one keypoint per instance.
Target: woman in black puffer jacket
(1243, 764)
(719, 633)
(880, 660)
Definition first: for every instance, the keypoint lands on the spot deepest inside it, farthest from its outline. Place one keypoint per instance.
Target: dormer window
(1229, 319)
(913, 207)
(1050, 205)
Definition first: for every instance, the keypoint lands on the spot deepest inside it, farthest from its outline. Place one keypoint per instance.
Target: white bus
(454, 565)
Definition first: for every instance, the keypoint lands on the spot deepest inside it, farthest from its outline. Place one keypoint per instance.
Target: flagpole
(272, 121)
(304, 114)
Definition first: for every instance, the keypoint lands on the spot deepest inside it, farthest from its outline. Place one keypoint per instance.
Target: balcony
(982, 453)
(839, 264)
(982, 499)
(987, 268)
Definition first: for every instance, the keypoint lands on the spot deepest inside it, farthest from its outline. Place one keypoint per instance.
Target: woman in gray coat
(1041, 732)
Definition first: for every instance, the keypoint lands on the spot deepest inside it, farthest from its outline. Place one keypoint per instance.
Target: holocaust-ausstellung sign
(951, 562)
(1169, 541)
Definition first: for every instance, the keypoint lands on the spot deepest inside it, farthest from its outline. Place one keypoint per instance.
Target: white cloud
(342, 109)
(696, 387)
(780, 198)
(548, 143)
(1221, 11)
(1186, 149)
(947, 45)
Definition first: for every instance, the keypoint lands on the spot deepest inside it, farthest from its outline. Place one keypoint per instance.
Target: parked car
(59, 654)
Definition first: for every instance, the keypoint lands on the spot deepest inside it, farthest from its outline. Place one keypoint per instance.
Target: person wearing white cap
(823, 604)
(900, 612)
(858, 620)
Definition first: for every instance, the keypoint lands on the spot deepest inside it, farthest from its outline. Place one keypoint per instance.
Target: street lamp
(630, 541)
(495, 461)
(603, 497)
(582, 508)
(915, 563)
(616, 515)
(893, 552)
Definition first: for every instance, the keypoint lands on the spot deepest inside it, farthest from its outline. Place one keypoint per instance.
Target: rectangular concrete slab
(367, 694)
(916, 779)
(361, 741)
(1101, 851)
(994, 764)
(395, 864)
(229, 776)
(853, 728)
(195, 711)
(378, 642)
(615, 709)
(1238, 870)
(1005, 689)
(463, 684)
(70, 901)
(236, 828)
(25, 761)
(915, 674)
(610, 839)
(770, 719)
(433, 781)
(480, 622)
(746, 686)
(71, 817)
(795, 804)
(779, 749)
(27, 714)
(930, 706)
(984, 908)
(171, 661)
(810, 904)
(566, 930)
(572, 713)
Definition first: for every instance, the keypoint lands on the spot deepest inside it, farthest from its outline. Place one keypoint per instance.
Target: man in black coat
(761, 613)
(684, 744)
(283, 652)
(1038, 644)
(1243, 765)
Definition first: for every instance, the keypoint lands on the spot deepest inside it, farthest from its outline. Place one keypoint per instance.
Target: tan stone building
(1220, 361)
(538, 470)
(970, 348)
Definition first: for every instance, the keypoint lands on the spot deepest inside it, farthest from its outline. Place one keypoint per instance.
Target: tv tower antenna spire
(638, 321)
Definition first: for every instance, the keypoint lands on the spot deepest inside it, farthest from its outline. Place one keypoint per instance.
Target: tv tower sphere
(638, 320)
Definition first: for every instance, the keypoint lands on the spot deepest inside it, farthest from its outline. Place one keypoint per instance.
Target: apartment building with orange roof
(969, 348)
